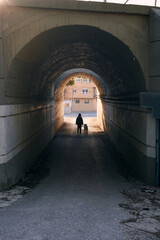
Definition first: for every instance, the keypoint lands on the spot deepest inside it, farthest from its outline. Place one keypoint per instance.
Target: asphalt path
(80, 198)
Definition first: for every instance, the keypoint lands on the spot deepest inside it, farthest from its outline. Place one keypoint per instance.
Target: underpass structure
(44, 43)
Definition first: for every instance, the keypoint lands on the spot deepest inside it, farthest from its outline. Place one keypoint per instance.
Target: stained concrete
(47, 49)
(154, 48)
(25, 131)
(43, 40)
(143, 165)
(80, 5)
(1, 66)
(80, 199)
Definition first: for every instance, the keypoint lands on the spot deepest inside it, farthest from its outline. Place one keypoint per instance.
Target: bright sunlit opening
(2, 1)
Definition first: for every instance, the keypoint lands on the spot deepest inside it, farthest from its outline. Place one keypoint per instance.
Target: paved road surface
(80, 198)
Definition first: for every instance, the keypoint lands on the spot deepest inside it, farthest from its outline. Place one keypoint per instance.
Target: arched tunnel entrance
(38, 74)
(58, 50)
(60, 84)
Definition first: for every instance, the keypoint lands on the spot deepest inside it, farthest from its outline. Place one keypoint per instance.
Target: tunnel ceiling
(53, 52)
(62, 80)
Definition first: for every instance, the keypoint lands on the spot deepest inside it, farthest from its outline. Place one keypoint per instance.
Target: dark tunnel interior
(55, 51)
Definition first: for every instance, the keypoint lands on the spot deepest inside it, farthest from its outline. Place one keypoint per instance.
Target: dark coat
(79, 121)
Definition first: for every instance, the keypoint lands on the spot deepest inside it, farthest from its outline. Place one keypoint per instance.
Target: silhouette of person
(79, 123)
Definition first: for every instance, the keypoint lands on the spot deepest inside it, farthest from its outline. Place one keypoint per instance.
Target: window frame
(84, 80)
(86, 101)
(77, 101)
(84, 91)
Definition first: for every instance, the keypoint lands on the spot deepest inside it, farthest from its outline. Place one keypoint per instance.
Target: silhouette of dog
(85, 129)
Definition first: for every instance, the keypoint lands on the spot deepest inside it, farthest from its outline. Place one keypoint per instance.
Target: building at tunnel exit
(81, 96)
(44, 43)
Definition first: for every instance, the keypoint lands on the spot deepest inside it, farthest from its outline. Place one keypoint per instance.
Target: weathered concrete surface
(79, 199)
(133, 131)
(25, 131)
(154, 49)
(80, 5)
(35, 35)
(41, 40)
(1, 66)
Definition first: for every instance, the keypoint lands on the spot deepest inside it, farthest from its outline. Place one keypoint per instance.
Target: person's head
(79, 115)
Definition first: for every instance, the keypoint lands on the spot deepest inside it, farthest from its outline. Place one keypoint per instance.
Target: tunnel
(36, 80)
(55, 51)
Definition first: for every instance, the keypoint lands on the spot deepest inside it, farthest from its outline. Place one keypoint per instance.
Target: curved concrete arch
(55, 51)
(58, 92)
(28, 23)
(40, 45)
(61, 81)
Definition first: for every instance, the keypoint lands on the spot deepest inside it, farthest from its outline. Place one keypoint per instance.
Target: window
(74, 90)
(84, 90)
(77, 101)
(90, 81)
(86, 101)
(84, 80)
(78, 79)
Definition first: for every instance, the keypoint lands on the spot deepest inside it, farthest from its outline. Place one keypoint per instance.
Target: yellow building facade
(81, 97)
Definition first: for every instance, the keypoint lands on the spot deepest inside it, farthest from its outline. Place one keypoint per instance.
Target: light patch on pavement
(7, 197)
(90, 121)
(145, 224)
(144, 206)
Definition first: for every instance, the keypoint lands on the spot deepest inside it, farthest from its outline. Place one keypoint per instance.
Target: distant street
(84, 197)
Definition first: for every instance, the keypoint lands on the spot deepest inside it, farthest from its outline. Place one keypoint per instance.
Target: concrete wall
(20, 26)
(59, 113)
(25, 131)
(154, 50)
(132, 129)
(101, 114)
(1, 66)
